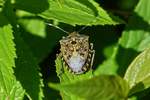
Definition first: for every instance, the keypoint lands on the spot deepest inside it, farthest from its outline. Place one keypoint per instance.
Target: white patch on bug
(76, 62)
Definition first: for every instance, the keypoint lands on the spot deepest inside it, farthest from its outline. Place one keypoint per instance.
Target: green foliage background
(29, 68)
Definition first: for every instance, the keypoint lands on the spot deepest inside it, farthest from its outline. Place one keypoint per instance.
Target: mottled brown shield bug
(77, 52)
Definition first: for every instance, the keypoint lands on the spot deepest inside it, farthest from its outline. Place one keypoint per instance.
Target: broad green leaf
(100, 87)
(10, 88)
(138, 73)
(27, 69)
(72, 12)
(135, 38)
(79, 12)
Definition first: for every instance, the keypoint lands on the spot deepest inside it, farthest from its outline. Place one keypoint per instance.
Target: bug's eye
(73, 42)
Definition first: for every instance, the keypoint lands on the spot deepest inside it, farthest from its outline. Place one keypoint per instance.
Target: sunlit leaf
(100, 87)
(10, 88)
(138, 73)
(72, 12)
(79, 12)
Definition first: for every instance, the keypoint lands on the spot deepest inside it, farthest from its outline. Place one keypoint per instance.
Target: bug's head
(74, 39)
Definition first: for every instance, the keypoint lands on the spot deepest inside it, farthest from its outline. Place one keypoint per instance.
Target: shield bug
(77, 52)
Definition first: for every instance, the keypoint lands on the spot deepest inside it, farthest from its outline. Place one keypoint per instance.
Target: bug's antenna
(57, 27)
(82, 28)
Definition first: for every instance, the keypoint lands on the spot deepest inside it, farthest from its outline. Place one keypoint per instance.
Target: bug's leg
(92, 52)
(92, 55)
(85, 68)
(91, 46)
(92, 58)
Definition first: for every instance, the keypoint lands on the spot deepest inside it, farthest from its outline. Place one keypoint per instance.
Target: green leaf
(135, 38)
(34, 26)
(27, 69)
(108, 67)
(1, 3)
(136, 34)
(100, 87)
(138, 73)
(10, 88)
(73, 12)
(79, 12)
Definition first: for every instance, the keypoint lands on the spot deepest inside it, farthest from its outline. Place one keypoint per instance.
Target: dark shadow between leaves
(139, 87)
(33, 6)
(26, 70)
(3, 20)
(48, 70)
(102, 37)
(140, 92)
(124, 57)
(136, 22)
